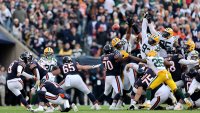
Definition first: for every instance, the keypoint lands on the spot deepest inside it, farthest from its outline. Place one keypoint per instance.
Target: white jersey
(156, 63)
(189, 63)
(128, 45)
(47, 64)
(145, 47)
(168, 43)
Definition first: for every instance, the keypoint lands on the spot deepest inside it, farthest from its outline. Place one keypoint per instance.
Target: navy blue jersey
(197, 77)
(12, 69)
(69, 69)
(35, 65)
(52, 87)
(112, 67)
(145, 80)
(176, 74)
(187, 81)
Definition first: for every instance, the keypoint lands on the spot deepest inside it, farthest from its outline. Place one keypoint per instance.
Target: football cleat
(147, 104)
(188, 103)
(74, 107)
(178, 106)
(49, 110)
(40, 108)
(170, 107)
(112, 107)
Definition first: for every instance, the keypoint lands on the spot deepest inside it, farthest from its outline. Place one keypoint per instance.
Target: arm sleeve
(144, 28)
(37, 74)
(152, 29)
(187, 62)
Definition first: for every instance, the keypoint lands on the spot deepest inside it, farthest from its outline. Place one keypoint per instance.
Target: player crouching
(51, 92)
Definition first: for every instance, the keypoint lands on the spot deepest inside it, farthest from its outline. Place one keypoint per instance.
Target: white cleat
(147, 104)
(112, 107)
(119, 107)
(170, 107)
(97, 106)
(178, 106)
(49, 110)
(40, 108)
(93, 107)
(30, 109)
(74, 107)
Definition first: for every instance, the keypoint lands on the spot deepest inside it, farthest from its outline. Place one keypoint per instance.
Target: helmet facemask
(151, 41)
(118, 45)
(166, 34)
(49, 55)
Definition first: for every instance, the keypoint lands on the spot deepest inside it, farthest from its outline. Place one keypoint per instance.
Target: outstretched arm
(152, 29)
(137, 59)
(87, 67)
(144, 28)
(188, 62)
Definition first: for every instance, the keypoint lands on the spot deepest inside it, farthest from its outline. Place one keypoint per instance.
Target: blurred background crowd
(79, 27)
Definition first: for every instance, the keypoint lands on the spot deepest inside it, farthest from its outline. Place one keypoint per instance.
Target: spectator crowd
(73, 26)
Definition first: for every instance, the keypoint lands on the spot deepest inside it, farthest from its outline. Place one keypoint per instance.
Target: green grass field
(86, 109)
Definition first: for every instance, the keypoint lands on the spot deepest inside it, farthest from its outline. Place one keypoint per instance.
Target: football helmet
(67, 59)
(141, 70)
(193, 55)
(116, 43)
(154, 39)
(152, 53)
(108, 49)
(48, 52)
(26, 57)
(167, 33)
(190, 45)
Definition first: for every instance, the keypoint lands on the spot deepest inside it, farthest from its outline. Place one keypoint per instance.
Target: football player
(48, 61)
(125, 46)
(192, 55)
(14, 82)
(148, 41)
(51, 92)
(188, 79)
(40, 73)
(127, 77)
(167, 40)
(158, 64)
(145, 77)
(70, 71)
(112, 64)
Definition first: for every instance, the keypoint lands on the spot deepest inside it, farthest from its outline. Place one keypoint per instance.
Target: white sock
(119, 103)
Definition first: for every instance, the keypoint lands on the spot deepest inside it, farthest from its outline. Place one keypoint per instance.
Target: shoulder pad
(54, 59)
(117, 54)
(33, 65)
(22, 64)
(124, 54)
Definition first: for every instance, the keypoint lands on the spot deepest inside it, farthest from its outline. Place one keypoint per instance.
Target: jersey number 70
(108, 65)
